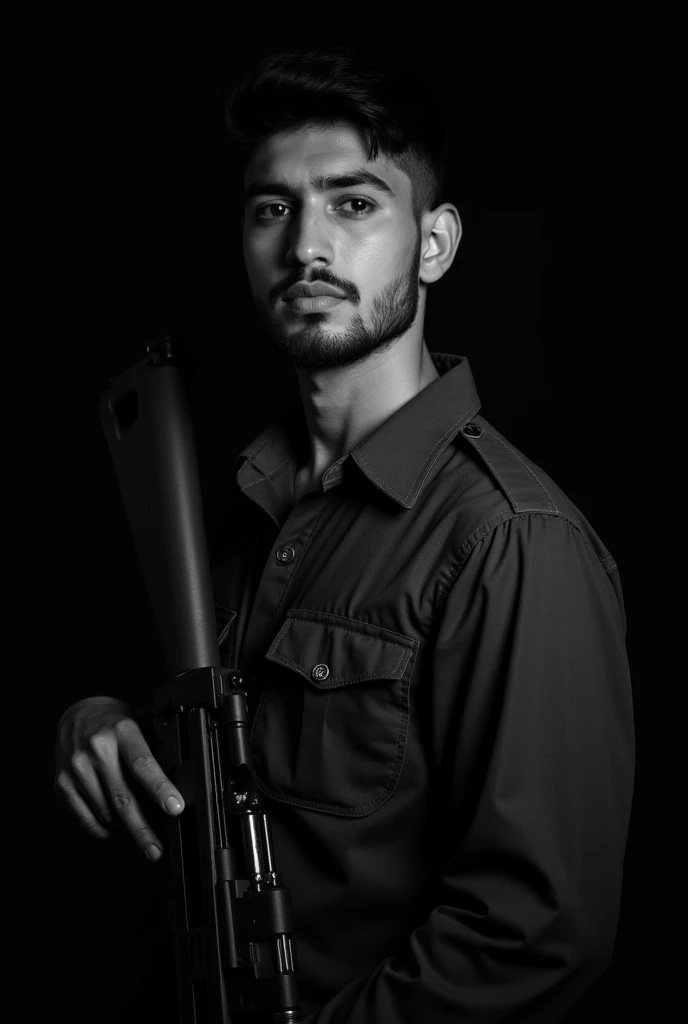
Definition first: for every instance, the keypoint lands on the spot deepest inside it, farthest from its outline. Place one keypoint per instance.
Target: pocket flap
(331, 650)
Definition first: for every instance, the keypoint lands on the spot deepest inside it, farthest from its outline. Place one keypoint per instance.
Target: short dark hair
(398, 111)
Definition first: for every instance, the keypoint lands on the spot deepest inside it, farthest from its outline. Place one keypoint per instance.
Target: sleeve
(533, 745)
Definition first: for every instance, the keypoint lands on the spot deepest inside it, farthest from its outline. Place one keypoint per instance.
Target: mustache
(348, 289)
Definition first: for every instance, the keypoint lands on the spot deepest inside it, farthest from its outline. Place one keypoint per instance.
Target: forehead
(316, 151)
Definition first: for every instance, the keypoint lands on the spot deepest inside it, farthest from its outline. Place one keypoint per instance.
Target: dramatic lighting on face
(302, 225)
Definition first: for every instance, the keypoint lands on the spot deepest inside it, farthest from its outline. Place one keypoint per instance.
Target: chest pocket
(331, 726)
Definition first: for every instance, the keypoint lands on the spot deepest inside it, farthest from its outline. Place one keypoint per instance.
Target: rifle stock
(234, 948)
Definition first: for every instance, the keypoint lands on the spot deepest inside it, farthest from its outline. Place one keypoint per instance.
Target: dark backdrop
(566, 134)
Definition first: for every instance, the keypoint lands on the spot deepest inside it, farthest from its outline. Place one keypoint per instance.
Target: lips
(308, 291)
(313, 303)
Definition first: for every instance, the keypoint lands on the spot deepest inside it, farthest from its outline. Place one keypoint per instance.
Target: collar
(398, 456)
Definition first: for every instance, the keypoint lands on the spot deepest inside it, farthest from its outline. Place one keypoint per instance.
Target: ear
(441, 233)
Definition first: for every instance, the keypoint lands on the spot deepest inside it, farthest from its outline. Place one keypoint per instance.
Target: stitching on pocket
(409, 649)
(362, 676)
(371, 632)
(343, 622)
(361, 810)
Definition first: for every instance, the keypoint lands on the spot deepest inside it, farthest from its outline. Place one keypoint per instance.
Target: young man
(441, 705)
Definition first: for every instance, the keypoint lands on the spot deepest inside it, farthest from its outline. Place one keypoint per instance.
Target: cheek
(378, 260)
(256, 258)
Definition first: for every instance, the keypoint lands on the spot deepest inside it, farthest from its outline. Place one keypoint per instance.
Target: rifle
(235, 953)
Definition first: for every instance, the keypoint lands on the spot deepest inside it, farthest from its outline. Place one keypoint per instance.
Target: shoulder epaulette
(521, 485)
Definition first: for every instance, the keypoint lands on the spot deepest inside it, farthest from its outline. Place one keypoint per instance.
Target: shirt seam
(507, 516)
(267, 476)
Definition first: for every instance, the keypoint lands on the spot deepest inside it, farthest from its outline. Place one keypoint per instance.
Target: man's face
(359, 238)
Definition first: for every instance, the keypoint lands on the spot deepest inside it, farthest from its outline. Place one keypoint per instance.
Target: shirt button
(285, 555)
(472, 430)
(320, 673)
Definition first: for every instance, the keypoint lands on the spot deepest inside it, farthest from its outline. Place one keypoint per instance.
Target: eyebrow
(321, 183)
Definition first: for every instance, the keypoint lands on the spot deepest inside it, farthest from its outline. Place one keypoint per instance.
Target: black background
(565, 164)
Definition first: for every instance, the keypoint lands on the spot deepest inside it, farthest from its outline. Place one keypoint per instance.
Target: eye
(359, 199)
(262, 211)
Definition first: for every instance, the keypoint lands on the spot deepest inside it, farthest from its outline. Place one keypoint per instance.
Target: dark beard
(311, 348)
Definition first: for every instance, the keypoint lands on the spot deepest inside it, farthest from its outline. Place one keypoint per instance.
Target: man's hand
(93, 737)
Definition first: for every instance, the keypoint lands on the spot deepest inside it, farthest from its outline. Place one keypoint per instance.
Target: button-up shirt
(442, 723)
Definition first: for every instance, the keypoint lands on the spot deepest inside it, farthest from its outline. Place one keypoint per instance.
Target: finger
(78, 807)
(88, 784)
(146, 770)
(125, 805)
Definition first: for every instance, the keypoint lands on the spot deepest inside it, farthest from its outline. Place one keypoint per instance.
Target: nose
(310, 239)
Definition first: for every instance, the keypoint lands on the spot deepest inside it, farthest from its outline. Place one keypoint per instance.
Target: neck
(345, 405)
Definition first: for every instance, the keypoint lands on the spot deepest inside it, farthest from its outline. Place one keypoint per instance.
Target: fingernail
(172, 805)
(153, 852)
